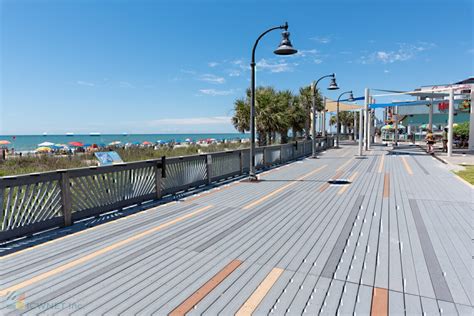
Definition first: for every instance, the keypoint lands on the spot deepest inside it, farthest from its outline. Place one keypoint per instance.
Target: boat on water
(45, 134)
(94, 134)
(124, 134)
(69, 134)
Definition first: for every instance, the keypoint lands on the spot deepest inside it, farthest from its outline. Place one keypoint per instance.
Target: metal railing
(35, 202)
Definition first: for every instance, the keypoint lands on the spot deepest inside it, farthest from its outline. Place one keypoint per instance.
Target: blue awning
(355, 99)
(407, 103)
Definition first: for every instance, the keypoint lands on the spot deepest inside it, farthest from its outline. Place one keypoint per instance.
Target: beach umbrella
(115, 143)
(4, 142)
(76, 144)
(43, 149)
(391, 127)
(45, 144)
(188, 140)
(425, 127)
(146, 143)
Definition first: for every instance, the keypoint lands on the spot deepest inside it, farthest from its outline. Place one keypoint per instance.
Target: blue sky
(177, 66)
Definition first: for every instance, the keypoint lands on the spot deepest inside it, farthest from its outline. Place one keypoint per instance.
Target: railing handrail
(34, 202)
(100, 168)
(135, 163)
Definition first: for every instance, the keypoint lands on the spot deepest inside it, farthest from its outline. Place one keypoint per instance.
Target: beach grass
(467, 174)
(44, 163)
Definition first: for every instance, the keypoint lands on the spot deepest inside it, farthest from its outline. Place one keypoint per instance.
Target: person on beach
(430, 141)
(445, 139)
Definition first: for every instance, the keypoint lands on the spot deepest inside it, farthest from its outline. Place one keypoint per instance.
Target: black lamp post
(350, 99)
(285, 48)
(332, 86)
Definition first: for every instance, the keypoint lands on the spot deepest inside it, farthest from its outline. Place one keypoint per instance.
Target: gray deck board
(333, 247)
(396, 303)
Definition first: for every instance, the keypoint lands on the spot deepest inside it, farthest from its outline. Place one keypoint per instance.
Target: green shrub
(461, 130)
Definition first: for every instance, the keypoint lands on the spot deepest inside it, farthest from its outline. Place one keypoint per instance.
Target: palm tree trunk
(284, 136)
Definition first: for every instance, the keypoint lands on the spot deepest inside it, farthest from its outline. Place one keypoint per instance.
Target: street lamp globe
(333, 84)
(285, 47)
(351, 97)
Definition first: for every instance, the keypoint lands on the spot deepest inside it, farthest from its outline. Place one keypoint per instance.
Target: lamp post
(285, 48)
(350, 99)
(332, 86)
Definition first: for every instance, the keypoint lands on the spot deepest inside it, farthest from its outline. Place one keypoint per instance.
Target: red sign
(443, 106)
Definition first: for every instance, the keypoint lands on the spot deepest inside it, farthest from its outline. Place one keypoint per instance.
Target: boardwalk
(398, 238)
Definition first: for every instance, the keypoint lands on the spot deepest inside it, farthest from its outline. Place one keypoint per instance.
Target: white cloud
(212, 78)
(85, 83)
(404, 52)
(213, 64)
(237, 68)
(188, 71)
(125, 84)
(274, 66)
(318, 61)
(306, 52)
(237, 62)
(386, 71)
(215, 120)
(322, 39)
(214, 92)
(234, 73)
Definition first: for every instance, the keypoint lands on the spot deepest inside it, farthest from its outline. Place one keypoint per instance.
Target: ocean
(30, 142)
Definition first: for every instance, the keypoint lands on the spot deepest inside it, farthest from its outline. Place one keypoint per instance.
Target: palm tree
(276, 113)
(346, 119)
(297, 117)
(284, 102)
(306, 101)
(241, 118)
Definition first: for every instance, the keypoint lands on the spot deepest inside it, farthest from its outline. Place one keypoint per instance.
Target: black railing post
(241, 159)
(66, 201)
(264, 161)
(158, 178)
(208, 168)
(163, 166)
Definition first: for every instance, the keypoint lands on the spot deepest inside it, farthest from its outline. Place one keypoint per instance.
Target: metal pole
(369, 125)
(361, 118)
(337, 123)
(252, 175)
(430, 116)
(366, 121)
(450, 122)
(324, 117)
(313, 128)
(471, 122)
(395, 115)
(354, 128)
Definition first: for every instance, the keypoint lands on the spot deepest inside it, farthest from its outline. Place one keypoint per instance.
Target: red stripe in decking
(197, 296)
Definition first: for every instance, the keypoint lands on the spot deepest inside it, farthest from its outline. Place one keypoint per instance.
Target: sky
(178, 66)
